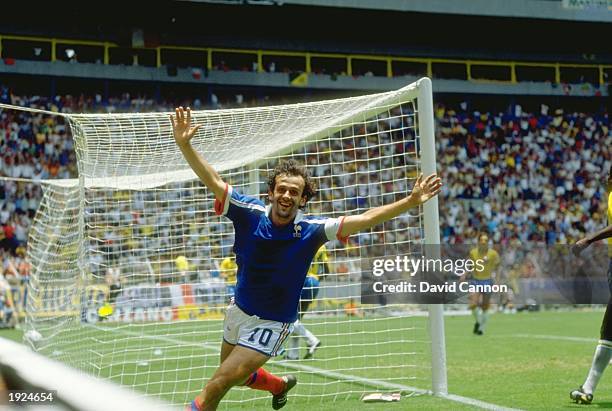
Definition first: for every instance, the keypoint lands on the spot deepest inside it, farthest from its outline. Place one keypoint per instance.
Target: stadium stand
(528, 176)
(522, 92)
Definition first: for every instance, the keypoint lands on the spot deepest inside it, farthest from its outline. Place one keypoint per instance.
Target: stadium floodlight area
(138, 212)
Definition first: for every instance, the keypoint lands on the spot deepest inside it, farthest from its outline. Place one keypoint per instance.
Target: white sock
(293, 347)
(601, 359)
(476, 314)
(484, 317)
(300, 330)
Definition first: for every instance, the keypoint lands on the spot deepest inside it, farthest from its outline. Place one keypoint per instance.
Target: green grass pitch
(528, 361)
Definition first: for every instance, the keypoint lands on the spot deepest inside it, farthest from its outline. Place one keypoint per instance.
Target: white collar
(298, 217)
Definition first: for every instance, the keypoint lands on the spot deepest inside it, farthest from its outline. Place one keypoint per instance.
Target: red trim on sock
(199, 406)
(252, 378)
(265, 381)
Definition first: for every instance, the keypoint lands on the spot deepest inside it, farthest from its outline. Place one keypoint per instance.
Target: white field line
(557, 338)
(383, 384)
(326, 373)
(477, 403)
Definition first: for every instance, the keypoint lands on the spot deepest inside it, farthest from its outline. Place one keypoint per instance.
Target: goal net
(33, 378)
(129, 281)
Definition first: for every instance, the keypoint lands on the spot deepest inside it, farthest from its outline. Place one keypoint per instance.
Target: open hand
(423, 190)
(181, 126)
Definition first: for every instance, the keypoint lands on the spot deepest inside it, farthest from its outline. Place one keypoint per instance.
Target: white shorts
(264, 336)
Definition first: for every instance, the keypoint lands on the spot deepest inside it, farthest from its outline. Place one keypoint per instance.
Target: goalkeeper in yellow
(603, 351)
(317, 271)
(479, 302)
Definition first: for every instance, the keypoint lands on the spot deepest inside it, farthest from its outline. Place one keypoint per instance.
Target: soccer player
(479, 302)
(228, 270)
(317, 271)
(8, 316)
(274, 247)
(603, 351)
(182, 269)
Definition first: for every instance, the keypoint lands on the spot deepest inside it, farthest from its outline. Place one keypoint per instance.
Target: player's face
(287, 197)
(483, 243)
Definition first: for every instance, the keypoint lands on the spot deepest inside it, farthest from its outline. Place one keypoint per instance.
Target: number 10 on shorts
(264, 336)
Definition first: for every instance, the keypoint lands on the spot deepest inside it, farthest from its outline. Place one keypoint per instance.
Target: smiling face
(286, 199)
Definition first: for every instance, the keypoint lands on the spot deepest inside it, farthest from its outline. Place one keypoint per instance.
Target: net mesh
(137, 232)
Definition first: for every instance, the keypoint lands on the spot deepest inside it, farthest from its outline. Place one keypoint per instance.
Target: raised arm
(422, 191)
(183, 133)
(591, 238)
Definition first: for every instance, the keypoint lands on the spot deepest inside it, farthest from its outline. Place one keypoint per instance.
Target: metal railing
(215, 58)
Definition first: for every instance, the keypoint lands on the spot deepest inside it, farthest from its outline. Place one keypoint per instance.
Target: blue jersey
(272, 261)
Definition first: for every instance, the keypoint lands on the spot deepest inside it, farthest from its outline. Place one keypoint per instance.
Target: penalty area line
(368, 382)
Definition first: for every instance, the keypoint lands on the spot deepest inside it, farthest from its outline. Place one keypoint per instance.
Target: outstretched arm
(183, 133)
(591, 238)
(422, 191)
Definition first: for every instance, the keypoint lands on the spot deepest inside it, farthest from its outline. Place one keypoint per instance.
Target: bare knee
(486, 302)
(217, 385)
(222, 382)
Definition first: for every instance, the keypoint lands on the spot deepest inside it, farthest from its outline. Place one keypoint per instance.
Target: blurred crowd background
(528, 176)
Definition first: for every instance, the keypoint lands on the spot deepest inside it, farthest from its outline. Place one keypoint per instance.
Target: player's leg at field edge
(293, 344)
(223, 380)
(474, 306)
(484, 317)
(309, 294)
(236, 368)
(603, 353)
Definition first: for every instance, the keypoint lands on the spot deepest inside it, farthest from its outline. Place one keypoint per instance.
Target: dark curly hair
(293, 168)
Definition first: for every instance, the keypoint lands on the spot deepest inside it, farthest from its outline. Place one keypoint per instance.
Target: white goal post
(128, 282)
(53, 385)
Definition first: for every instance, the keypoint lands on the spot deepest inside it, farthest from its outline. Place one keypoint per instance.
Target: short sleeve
(234, 204)
(497, 258)
(222, 206)
(333, 228)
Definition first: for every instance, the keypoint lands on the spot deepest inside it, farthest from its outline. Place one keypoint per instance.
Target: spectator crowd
(536, 177)
(517, 175)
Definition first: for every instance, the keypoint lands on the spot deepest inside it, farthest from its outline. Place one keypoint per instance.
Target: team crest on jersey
(297, 231)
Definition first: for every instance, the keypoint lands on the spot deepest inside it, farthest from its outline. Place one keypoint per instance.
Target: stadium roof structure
(573, 10)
